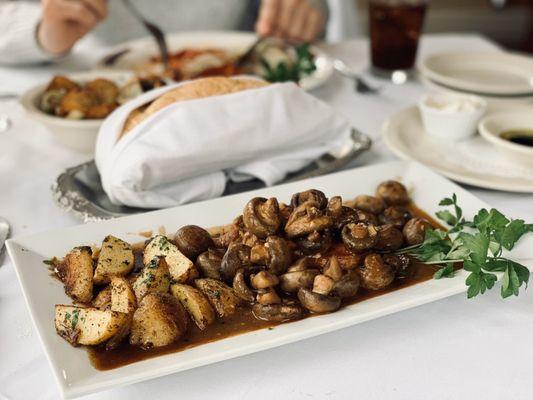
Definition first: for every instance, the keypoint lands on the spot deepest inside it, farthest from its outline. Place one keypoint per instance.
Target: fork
(154, 30)
(361, 86)
(244, 57)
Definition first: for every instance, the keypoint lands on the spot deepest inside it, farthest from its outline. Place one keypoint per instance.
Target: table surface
(452, 349)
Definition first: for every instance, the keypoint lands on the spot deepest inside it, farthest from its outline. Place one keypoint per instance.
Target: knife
(4, 233)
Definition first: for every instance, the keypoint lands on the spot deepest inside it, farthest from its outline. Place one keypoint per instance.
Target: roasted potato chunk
(154, 278)
(122, 295)
(106, 91)
(159, 321)
(180, 267)
(76, 272)
(87, 326)
(102, 300)
(61, 83)
(99, 111)
(195, 303)
(121, 335)
(115, 259)
(76, 103)
(221, 296)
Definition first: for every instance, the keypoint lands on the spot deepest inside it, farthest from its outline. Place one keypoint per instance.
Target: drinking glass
(395, 27)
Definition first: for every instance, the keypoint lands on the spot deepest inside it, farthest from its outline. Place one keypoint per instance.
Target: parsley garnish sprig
(479, 245)
(283, 72)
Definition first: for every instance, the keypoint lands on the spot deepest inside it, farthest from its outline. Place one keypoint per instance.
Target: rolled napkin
(181, 143)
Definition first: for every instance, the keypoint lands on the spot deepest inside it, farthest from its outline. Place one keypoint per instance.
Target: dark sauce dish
(523, 137)
(511, 133)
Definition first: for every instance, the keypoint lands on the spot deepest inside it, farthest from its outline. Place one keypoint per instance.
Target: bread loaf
(196, 89)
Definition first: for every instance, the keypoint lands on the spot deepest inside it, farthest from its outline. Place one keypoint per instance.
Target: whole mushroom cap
(282, 312)
(371, 204)
(392, 192)
(414, 230)
(390, 238)
(375, 273)
(359, 237)
(240, 287)
(208, 263)
(347, 285)
(395, 215)
(262, 217)
(317, 302)
(291, 282)
(193, 240)
(313, 195)
(305, 219)
(279, 253)
(315, 242)
(237, 256)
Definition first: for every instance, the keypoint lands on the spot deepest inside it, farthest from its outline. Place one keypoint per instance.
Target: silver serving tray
(78, 190)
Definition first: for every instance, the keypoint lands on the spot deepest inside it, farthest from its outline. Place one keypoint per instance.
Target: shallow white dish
(492, 126)
(473, 161)
(140, 51)
(73, 372)
(79, 135)
(496, 73)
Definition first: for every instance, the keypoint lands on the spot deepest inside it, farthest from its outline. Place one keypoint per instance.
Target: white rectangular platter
(71, 366)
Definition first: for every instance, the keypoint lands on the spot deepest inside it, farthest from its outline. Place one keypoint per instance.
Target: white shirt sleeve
(18, 25)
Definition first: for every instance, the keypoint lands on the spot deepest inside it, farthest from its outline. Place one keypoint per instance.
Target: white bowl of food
(511, 133)
(73, 107)
(451, 116)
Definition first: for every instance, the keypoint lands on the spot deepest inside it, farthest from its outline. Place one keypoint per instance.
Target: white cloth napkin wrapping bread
(186, 151)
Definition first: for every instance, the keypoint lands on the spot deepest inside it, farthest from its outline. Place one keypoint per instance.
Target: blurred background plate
(78, 190)
(133, 54)
(490, 73)
(506, 101)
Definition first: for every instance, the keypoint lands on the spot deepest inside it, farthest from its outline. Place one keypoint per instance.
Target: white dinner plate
(75, 375)
(141, 50)
(473, 161)
(490, 73)
(493, 101)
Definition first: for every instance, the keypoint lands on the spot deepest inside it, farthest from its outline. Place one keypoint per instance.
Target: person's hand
(294, 20)
(64, 22)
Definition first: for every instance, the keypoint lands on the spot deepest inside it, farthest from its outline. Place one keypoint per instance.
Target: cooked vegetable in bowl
(73, 107)
(94, 99)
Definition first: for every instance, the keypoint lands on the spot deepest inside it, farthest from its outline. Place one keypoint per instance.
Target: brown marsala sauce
(523, 137)
(243, 321)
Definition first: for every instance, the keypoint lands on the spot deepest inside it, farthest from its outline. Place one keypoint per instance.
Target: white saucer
(473, 161)
(490, 73)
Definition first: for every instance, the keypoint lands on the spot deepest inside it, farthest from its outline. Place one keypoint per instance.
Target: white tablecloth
(452, 349)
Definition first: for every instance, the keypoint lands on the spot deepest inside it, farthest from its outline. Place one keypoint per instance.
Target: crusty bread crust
(196, 89)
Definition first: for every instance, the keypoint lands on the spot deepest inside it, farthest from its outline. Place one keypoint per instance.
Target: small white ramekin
(450, 124)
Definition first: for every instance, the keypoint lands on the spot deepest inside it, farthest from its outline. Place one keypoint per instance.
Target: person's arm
(33, 32)
(297, 20)
(18, 29)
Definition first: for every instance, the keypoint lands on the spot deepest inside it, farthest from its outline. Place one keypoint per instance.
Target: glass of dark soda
(395, 27)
